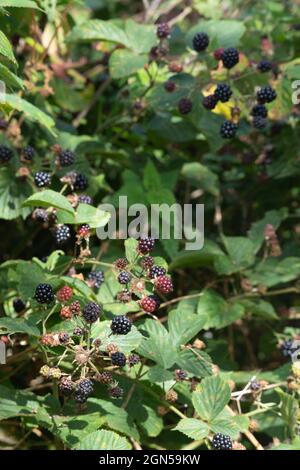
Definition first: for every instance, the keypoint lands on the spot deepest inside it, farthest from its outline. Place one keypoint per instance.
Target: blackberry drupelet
(118, 359)
(185, 106)
(222, 442)
(163, 30)
(85, 199)
(62, 234)
(64, 337)
(81, 182)
(146, 245)
(66, 386)
(104, 377)
(28, 153)
(121, 325)
(91, 312)
(264, 66)
(228, 129)
(18, 305)
(66, 313)
(66, 158)
(5, 154)
(83, 390)
(210, 102)
(163, 284)
(96, 278)
(266, 94)
(230, 57)
(124, 277)
(200, 42)
(223, 92)
(44, 294)
(42, 179)
(156, 271)
(259, 110)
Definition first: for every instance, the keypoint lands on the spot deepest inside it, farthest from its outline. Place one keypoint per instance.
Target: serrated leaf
(17, 403)
(123, 63)
(217, 311)
(10, 79)
(289, 408)
(230, 425)
(240, 250)
(104, 440)
(18, 325)
(141, 37)
(202, 176)
(183, 327)
(99, 30)
(211, 397)
(193, 428)
(6, 49)
(199, 365)
(19, 4)
(12, 195)
(226, 33)
(49, 198)
(203, 257)
(94, 217)
(126, 343)
(131, 252)
(157, 345)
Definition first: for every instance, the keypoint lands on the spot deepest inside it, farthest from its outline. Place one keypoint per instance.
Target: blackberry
(169, 86)
(96, 278)
(146, 245)
(44, 294)
(41, 215)
(163, 284)
(288, 348)
(157, 300)
(200, 42)
(66, 313)
(18, 305)
(78, 331)
(28, 153)
(266, 94)
(147, 262)
(83, 390)
(84, 232)
(66, 386)
(91, 312)
(66, 158)
(264, 66)
(259, 110)
(64, 294)
(104, 377)
(124, 277)
(255, 386)
(62, 234)
(180, 375)
(259, 122)
(148, 304)
(85, 199)
(228, 129)
(133, 359)
(121, 325)
(210, 101)
(230, 57)
(116, 392)
(218, 53)
(185, 106)
(75, 307)
(64, 338)
(222, 442)
(223, 92)
(42, 179)
(163, 30)
(5, 154)
(121, 263)
(156, 271)
(81, 182)
(124, 296)
(118, 359)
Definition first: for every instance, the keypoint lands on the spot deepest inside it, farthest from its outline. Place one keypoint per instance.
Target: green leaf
(199, 365)
(80, 286)
(212, 397)
(104, 440)
(12, 195)
(157, 346)
(151, 424)
(99, 30)
(193, 428)
(183, 326)
(123, 63)
(225, 33)
(141, 37)
(6, 49)
(10, 79)
(201, 176)
(294, 445)
(256, 232)
(18, 325)
(131, 249)
(49, 198)
(289, 408)
(94, 217)
(226, 423)
(217, 312)
(126, 343)
(240, 250)
(30, 111)
(19, 4)
(29, 275)
(203, 257)
(15, 403)
(259, 308)
(152, 179)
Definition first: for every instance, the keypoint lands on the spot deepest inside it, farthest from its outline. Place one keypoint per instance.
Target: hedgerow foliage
(148, 345)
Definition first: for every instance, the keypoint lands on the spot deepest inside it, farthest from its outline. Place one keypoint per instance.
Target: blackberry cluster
(223, 92)
(163, 284)
(5, 154)
(85, 199)
(83, 390)
(210, 102)
(81, 182)
(28, 153)
(66, 386)
(228, 129)
(146, 245)
(163, 31)
(118, 359)
(200, 42)
(44, 294)
(169, 86)
(91, 312)
(230, 57)
(42, 179)
(66, 158)
(156, 271)
(121, 325)
(18, 305)
(104, 377)
(222, 442)
(259, 110)
(266, 94)
(185, 106)
(124, 277)
(259, 122)
(96, 278)
(264, 66)
(62, 234)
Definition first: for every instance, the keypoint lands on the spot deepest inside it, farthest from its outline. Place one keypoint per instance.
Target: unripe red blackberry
(222, 442)
(116, 392)
(44, 294)
(146, 245)
(169, 86)
(64, 294)
(18, 305)
(210, 102)
(118, 359)
(148, 304)
(163, 284)
(104, 377)
(42, 179)
(91, 312)
(124, 277)
(163, 31)
(200, 42)
(75, 307)
(6, 154)
(121, 325)
(147, 262)
(124, 296)
(185, 106)
(66, 386)
(230, 57)
(66, 158)
(228, 129)
(156, 271)
(175, 67)
(66, 313)
(121, 263)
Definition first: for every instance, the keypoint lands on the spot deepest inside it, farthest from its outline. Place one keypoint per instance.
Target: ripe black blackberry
(66, 158)
(118, 359)
(83, 390)
(266, 94)
(104, 377)
(64, 337)
(44, 294)
(121, 325)
(124, 277)
(200, 42)
(156, 271)
(28, 153)
(85, 199)
(62, 234)
(133, 359)
(230, 57)
(259, 110)
(255, 385)
(18, 305)
(180, 375)
(259, 122)
(42, 179)
(210, 101)
(147, 262)
(264, 66)
(78, 331)
(81, 182)
(223, 92)
(66, 386)
(96, 278)
(163, 30)
(5, 154)
(41, 215)
(91, 312)
(116, 392)
(185, 106)
(146, 245)
(288, 347)
(228, 129)
(169, 86)
(222, 442)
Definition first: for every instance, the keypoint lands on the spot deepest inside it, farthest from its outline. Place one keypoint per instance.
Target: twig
(181, 16)
(85, 111)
